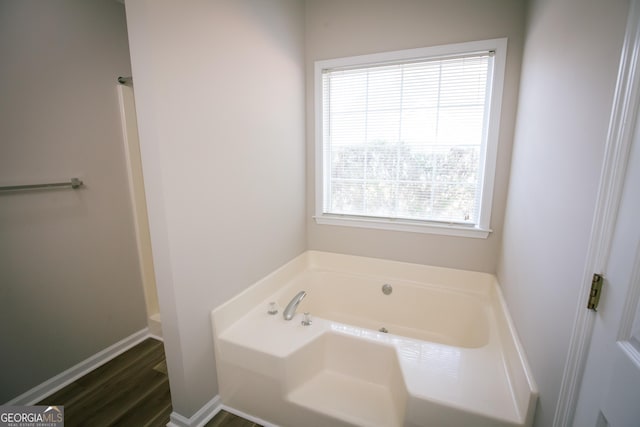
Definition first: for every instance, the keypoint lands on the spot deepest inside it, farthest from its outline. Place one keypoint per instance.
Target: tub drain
(383, 330)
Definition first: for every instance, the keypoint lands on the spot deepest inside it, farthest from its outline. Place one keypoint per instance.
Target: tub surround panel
(237, 306)
(451, 278)
(344, 374)
(514, 357)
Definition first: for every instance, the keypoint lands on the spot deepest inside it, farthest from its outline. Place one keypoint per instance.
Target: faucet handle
(273, 308)
(307, 319)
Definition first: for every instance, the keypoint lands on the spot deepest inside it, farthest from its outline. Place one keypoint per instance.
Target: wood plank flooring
(132, 390)
(225, 419)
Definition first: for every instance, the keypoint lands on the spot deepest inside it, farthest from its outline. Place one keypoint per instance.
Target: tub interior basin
(428, 313)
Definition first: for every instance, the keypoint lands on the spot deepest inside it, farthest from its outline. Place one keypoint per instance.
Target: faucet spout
(290, 311)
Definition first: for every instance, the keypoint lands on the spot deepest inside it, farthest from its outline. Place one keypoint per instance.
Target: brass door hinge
(596, 290)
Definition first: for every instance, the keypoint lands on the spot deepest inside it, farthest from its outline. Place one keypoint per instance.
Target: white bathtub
(450, 356)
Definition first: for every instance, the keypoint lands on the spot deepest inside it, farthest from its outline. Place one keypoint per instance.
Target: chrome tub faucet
(290, 311)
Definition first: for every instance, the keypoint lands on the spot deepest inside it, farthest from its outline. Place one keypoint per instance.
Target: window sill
(456, 230)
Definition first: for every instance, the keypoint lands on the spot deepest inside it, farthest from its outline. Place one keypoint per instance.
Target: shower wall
(69, 274)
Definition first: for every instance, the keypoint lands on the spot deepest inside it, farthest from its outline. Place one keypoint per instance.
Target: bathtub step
(346, 398)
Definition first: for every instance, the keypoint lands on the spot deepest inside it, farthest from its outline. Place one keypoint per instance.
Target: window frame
(487, 161)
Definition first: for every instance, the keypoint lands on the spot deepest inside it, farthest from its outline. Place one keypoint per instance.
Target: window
(407, 140)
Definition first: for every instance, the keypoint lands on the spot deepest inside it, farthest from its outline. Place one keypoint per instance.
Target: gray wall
(337, 28)
(69, 275)
(220, 102)
(571, 56)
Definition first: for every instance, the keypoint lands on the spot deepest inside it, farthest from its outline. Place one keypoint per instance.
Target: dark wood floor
(130, 390)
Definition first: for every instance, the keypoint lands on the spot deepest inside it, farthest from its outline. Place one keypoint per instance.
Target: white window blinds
(406, 140)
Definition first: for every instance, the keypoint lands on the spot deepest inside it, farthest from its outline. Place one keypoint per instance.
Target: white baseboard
(65, 378)
(210, 410)
(200, 418)
(249, 417)
(154, 323)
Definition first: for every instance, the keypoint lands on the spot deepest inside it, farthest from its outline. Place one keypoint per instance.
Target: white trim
(488, 161)
(248, 417)
(65, 378)
(399, 225)
(150, 334)
(619, 138)
(200, 418)
(631, 302)
(408, 54)
(137, 197)
(210, 410)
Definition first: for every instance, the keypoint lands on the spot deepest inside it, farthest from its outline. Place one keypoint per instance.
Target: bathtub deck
(473, 379)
